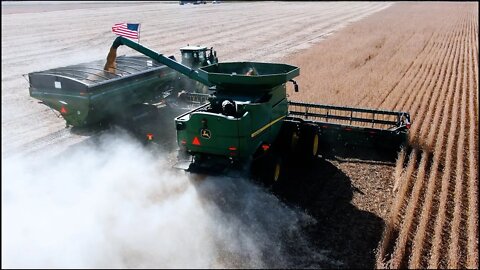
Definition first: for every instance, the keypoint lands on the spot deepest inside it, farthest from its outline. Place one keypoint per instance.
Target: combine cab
(196, 57)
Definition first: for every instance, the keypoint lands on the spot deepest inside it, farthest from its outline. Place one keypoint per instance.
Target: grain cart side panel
(112, 98)
(63, 94)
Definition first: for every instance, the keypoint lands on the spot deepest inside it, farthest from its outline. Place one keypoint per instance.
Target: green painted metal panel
(256, 123)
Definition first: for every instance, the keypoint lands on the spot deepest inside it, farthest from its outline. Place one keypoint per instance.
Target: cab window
(201, 55)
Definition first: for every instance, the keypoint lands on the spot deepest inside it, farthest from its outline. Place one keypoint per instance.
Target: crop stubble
(428, 67)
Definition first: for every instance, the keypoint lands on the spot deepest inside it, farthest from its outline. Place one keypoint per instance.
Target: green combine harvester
(247, 122)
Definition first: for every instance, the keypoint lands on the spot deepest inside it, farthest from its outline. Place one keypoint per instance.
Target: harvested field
(422, 58)
(417, 57)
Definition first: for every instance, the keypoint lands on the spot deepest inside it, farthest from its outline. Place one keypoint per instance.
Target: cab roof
(193, 48)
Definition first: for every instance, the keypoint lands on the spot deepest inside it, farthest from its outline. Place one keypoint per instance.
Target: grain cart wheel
(309, 142)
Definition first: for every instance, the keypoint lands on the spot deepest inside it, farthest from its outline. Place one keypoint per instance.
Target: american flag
(128, 30)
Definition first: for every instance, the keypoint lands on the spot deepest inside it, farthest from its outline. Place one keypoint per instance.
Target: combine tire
(294, 137)
(288, 138)
(274, 170)
(269, 170)
(309, 142)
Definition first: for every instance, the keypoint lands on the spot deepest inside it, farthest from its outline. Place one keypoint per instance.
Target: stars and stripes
(128, 30)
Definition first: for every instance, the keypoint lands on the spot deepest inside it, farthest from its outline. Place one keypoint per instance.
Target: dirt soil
(349, 199)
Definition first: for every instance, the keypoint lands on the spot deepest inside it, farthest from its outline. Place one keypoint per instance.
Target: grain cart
(89, 93)
(248, 123)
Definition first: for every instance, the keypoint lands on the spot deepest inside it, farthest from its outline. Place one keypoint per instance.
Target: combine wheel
(269, 169)
(274, 170)
(294, 141)
(309, 141)
(315, 145)
(288, 138)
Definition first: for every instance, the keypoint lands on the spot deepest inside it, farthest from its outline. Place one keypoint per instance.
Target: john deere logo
(205, 133)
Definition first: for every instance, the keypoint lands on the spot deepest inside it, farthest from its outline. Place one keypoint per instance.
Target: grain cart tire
(309, 142)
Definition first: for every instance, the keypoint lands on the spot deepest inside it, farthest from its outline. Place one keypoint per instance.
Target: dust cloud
(114, 204)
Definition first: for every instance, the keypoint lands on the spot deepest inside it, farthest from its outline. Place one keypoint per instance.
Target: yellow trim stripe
(267, 126)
